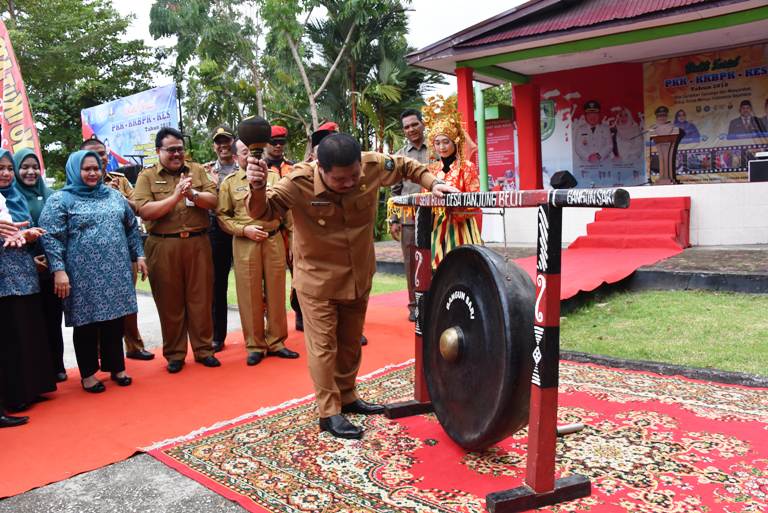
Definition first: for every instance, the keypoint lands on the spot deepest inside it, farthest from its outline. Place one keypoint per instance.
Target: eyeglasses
(174, 150)
(277, 142)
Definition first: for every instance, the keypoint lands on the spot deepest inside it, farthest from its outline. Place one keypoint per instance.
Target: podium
(666, 148)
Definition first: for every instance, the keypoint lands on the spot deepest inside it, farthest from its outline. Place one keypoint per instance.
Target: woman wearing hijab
(629, 136)
(25, 363)
(32, 187)
(447, 138)
(91, 239)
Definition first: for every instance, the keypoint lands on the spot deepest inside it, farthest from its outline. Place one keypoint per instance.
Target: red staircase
(647, 223)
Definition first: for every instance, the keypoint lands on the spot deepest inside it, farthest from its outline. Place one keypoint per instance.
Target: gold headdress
(442, 117)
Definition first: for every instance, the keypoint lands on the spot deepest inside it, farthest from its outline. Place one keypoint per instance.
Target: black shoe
(363, 407)
(139, 355)
(363, 340)
(61, 377)
(175, 366)
(9, 421)
(94, 389)
(412, 316)
(123, 382)
(254, 358)
(284, 353)
(217, 346)
(210, 361)
(340, 427)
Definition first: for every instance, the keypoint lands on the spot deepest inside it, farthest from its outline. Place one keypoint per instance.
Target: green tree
(498, 95)
(216, 60)
(72, 56)
(350, 26)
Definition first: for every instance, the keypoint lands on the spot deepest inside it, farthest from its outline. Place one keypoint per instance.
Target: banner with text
(720, 101)
(18, 125)
(128, 126)
(500, 142)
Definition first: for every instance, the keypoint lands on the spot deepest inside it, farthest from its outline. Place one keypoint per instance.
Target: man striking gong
(334, 202)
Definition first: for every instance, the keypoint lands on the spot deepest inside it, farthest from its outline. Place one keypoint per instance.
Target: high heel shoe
(123, 382)
(94, 389)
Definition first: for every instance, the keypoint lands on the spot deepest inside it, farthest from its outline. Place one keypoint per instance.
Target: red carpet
(75, 432)
(652, 444)
(620, 241)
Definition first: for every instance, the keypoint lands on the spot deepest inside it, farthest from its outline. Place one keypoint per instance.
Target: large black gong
(478, 341)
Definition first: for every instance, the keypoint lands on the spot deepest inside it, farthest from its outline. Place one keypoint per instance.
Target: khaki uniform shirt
(123, 184)
(156, 183)
(333, 233)
(286, 168)
(232, 211)
(404, 187)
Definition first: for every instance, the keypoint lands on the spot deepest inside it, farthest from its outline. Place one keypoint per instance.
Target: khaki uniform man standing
(173, 198)
(274, 155)
(334, 203)
(221, 242)
(259, 256)
(404, 230)
(134, 344)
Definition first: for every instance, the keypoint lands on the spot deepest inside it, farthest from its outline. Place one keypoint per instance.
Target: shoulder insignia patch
(389, 164)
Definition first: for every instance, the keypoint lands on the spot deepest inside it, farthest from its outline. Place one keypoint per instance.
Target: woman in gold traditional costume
(448, 139)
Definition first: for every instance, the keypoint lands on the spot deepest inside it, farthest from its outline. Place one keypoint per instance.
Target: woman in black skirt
(24, 355)
(31, 185)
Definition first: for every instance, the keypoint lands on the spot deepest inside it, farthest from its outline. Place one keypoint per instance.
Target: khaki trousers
(131, 335)
(332, 331)
(260, 273)
(181, 275)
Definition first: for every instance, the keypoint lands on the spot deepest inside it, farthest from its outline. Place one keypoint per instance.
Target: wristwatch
(195, 194)
(437, 182)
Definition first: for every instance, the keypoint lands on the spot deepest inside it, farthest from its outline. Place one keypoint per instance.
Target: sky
(429, 22)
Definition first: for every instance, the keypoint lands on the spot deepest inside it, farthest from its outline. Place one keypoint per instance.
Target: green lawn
(724, 331)
(382, 283)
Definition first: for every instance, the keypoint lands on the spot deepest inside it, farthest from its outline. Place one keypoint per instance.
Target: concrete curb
(390, 267)
(665, 369)
(645, 279)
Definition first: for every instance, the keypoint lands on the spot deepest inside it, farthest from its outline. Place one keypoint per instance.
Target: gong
(478, 341)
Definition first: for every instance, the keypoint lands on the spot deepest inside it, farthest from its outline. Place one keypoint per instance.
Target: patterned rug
(652, 444)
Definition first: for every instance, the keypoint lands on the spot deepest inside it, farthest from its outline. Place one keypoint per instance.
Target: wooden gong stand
(540, 488)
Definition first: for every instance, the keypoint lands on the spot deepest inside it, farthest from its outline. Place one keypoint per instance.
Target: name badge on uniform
(241, 189)
(320, 203)
(389, 164)
(161, 182)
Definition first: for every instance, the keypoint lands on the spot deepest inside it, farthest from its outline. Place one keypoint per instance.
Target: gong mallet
(255, 132)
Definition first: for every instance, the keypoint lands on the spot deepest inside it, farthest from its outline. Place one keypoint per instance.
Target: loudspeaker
(757, 170)
(563, 180)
